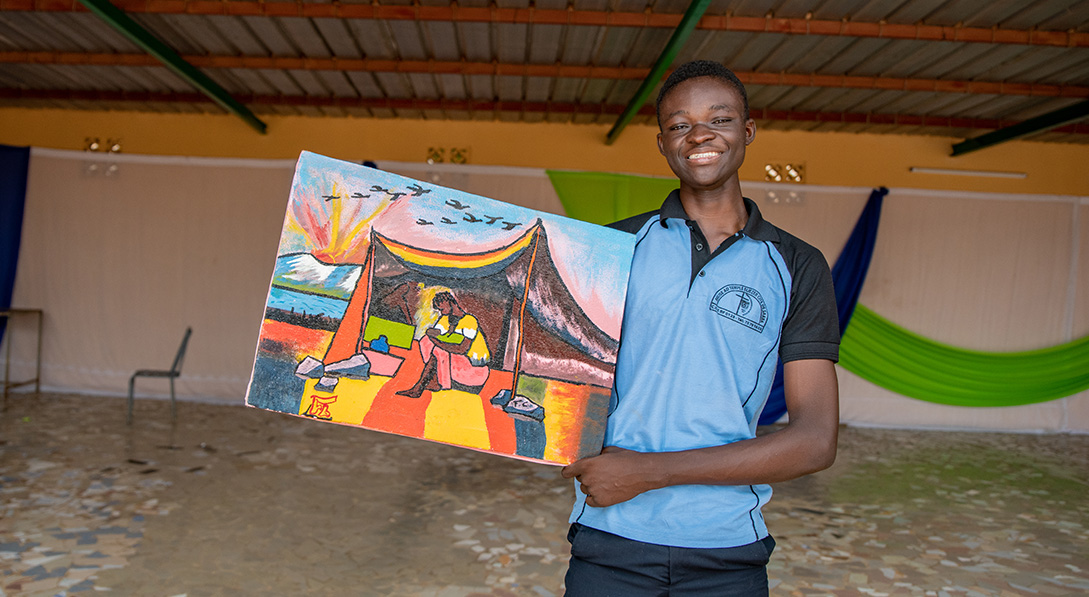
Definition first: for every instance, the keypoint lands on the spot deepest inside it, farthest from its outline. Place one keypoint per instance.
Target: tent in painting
(530, 320)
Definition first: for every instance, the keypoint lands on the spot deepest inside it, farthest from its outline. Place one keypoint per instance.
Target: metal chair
(172, 373)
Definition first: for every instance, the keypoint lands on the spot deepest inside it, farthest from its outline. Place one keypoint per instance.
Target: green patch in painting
(533, 388)
(397, 334)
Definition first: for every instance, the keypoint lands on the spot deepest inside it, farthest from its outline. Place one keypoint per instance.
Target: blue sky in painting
(334, 203)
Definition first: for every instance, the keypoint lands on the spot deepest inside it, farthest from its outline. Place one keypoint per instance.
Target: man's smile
(704, 156)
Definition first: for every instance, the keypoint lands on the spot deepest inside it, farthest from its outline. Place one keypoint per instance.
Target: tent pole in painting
(522, 312)
(368, 267)
(680, 35)
(140, 36)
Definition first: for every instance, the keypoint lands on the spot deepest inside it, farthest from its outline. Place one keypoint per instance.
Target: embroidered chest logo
(741, 304)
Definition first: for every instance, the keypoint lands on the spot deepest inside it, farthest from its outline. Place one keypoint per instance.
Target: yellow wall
(830, 158)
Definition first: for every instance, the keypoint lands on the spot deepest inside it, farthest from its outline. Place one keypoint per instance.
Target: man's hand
(804, 445)
(616, 475)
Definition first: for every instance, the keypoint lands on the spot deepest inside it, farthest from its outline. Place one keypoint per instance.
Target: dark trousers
(605, 565)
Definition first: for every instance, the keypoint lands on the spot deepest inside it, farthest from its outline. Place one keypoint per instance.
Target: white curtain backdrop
(124, 252)
(122, 263)
(123, 260)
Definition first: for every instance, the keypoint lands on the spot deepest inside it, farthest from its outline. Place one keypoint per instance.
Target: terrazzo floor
(237, 501)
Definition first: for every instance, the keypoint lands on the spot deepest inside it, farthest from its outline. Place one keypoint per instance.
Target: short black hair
(701, 68)
(443, 297)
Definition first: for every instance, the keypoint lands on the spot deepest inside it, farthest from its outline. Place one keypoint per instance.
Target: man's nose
(699, 132)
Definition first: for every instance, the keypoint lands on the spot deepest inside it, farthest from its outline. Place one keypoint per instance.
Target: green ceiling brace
(676, 42)
(143, 38)
(1043, 122)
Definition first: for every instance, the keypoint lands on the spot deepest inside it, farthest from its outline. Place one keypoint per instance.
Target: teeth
(698, 156)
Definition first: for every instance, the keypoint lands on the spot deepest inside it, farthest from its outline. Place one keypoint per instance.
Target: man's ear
(661, 149)
(750, 131)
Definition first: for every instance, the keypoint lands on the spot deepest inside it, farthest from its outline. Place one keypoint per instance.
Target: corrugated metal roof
(948, 67)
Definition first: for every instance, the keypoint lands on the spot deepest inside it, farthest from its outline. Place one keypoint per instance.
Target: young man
(716, 295)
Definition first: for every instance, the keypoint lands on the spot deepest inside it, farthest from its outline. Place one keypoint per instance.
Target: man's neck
(720, 213)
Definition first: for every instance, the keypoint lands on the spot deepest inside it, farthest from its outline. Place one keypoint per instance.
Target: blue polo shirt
(702, 331)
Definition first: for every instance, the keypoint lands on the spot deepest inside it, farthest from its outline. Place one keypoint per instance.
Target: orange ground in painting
(406, 416)
(565, 403)
(386, 411)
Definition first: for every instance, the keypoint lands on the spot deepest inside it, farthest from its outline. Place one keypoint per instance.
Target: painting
(409, 308)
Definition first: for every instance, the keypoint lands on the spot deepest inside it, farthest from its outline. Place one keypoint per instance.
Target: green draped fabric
(906, 363)
(602, 198)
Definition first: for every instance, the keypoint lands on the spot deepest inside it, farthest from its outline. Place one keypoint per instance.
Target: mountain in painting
(303, 271)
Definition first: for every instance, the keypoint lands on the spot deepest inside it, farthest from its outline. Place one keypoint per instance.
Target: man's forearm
(618, 475)
(805, 445)
(786, 454)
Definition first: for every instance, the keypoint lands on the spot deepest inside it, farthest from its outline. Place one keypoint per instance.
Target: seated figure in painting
(454, 352)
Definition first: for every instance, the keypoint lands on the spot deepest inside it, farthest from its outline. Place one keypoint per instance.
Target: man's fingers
(572, 470)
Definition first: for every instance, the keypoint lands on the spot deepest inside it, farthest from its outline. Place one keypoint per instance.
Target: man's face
(704, 132)
(443, 307)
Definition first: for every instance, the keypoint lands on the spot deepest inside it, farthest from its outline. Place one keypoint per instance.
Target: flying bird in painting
(493, 219)
(417, 190)
(454, 203)
(423, 222)
(393, 195)
(359, 196)
(471, 218)
(448, 221)
(330, 197)
(510, 225)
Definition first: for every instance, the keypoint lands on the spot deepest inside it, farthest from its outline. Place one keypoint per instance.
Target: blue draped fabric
(848, 276)
(14, 162)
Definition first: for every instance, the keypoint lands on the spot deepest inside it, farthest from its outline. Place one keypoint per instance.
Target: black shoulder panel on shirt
(633, 224)
(811, 329)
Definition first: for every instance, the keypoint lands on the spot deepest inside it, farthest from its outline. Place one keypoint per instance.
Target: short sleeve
(467, 326)
(811, 328)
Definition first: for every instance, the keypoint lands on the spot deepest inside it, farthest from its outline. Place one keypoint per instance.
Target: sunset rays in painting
(333, 230)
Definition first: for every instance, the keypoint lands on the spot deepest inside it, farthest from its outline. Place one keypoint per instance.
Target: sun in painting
(333, 226)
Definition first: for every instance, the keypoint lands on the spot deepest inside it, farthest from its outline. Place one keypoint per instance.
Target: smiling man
(672, 506)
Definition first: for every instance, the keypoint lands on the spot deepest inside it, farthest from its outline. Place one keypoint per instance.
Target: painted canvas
(405, 307)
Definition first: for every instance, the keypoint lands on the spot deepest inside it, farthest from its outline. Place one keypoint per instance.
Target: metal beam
(518, 107)
(590, 18)
(567, 71)
(140, 36)
(1043, 122)
(676, 42)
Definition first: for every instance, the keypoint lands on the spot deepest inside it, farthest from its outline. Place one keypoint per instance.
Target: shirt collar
(756, 227)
